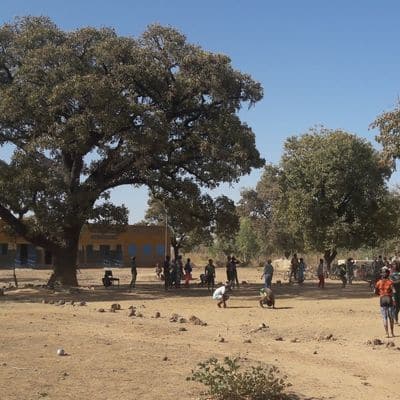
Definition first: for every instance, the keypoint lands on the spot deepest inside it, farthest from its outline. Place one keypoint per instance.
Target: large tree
(87, 111)
(189, 217)
(388, 124)
(264, 206)
(334, 192)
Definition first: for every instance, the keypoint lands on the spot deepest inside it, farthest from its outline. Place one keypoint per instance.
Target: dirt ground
(323, 351)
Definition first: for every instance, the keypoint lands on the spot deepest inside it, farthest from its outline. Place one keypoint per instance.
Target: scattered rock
(377, 342)
(245, 283)
(329, 337)
(315, 352)
(61, 352)
(139, 315)
(182, 329)
(165, 358)
(101, 310)
(261, 327)
(83, 303)
(197, 321)
(4, 364)
(279, 339)
(182, 320)
(247, 341)
(295, 340)
(221, 340)
(132, 312)
(115, 307)
(365, 384)
(390, 344)
(157, 314)
(174, 318)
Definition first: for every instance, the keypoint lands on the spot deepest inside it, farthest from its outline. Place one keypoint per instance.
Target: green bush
(227, 380)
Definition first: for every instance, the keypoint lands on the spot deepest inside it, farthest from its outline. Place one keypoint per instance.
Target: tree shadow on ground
(152, 290)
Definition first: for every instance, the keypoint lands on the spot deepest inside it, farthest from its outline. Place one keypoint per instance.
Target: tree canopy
(87, 111)
(388, 124)
(329, 191)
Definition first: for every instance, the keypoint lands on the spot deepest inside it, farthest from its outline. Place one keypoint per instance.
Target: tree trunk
(65, 262)
(176, 251)
(329, 256)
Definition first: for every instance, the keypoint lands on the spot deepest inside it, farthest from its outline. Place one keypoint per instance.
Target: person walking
(268, 274)
(350, 270)
(229, 271)
(342, 274)
(384, 289)
(188, 272)
(395, 278)
(133, 273)
(300, 271)
(321, 274)
(294, 265)
(209, 272)
(234, 271)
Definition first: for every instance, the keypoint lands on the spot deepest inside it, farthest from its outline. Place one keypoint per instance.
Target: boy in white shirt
(220, 294)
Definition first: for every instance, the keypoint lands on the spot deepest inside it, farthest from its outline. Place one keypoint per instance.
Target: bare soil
(324, 349)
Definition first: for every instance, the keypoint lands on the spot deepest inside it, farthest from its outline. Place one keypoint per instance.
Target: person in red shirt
(384, 288)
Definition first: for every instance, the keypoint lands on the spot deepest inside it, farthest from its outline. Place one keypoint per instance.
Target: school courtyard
(325, 341)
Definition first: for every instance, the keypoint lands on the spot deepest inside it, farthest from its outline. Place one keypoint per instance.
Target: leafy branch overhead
(87, 111)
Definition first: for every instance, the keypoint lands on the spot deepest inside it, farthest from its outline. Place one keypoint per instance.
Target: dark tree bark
(329, 256)
(65, 261)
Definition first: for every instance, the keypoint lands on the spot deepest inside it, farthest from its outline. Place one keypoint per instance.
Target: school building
(97, 248)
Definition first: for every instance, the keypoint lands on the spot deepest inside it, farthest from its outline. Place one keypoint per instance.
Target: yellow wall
(147, 243)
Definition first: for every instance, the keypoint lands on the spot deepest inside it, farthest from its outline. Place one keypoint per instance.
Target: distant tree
(264, 207)
(226, 227)
(189, 217)
(247, 244)
(334, 191)
(87, 111)
(388, 124)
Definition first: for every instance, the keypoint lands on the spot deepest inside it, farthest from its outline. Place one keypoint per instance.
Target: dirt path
(323, 350)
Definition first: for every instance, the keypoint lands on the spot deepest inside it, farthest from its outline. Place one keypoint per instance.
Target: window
(89, 250)
(147, 249)
(132, 250)
(160, 250)
(4, 249)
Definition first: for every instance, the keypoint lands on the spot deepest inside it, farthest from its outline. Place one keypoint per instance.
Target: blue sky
(334, 63)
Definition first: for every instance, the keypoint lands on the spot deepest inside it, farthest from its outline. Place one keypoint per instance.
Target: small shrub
(225, 380)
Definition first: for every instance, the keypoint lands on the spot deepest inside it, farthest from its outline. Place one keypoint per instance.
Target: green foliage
(334, 187)
(329, 191)
(193, 218)
(388, 124)
(87, 111)
(247, 244)
(226, 380)
(261, 207)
